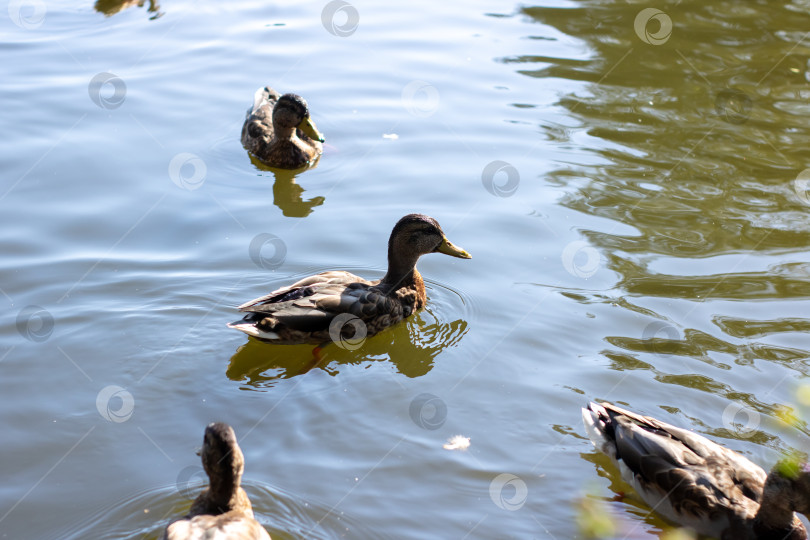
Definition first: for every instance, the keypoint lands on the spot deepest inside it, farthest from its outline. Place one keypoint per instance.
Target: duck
(279, 131)
(338, 306)
(699, 484)
(222, 511)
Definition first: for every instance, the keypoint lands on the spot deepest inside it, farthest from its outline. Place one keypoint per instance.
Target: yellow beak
(448, 248)
(309, 129)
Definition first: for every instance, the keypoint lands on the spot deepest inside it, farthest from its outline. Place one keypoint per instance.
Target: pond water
(633, 187)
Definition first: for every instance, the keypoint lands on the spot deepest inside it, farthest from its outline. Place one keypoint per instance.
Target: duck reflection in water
(111, 7)
(410, 346)
(287, 194)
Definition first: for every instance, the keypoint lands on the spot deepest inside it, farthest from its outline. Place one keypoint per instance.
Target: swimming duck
(338, 305)
(279, 131)
(222, 511)
(699, 484)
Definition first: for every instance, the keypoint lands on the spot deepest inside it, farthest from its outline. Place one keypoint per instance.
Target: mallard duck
(222, 511)
(699, 484)
(327, 306)
(279, 131)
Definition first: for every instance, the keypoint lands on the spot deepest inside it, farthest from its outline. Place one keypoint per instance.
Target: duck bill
(448, 248)
(309, 129)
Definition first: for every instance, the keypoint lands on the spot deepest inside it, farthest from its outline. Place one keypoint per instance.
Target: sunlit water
(633, 199)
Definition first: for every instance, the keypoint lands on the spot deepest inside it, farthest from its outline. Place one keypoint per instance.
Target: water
(639, 235)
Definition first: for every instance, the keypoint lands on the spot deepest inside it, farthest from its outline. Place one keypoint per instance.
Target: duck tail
(250, 328)
(600, 429)
(263, 95)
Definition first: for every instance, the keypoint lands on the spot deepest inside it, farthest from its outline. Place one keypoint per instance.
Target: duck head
(291, 111)
(786, 490)
(419, 235)
(413, 236)
(222, 458)
(799, 475)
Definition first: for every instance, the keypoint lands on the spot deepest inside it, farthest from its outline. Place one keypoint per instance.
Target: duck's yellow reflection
(287, 194)
(111, 7)
(411, 347)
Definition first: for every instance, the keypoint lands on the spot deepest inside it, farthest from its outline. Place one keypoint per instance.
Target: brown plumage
(341, 306)
(699, 484)
(222, 511)
(279, 131)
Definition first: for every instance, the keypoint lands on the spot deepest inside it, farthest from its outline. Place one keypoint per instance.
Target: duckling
(697, 483)
(222, 511)
(326, 306)
(279, 131)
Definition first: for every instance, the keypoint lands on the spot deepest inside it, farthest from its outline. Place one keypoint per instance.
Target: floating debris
(457, 442)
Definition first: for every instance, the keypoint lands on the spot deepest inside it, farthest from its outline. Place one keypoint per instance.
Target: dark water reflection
(685, 163)
(410, 348)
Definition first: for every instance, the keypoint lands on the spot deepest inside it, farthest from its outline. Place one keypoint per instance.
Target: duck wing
(301, 289)
(680, 443)
(264, 97)
(684, 476)
(304, 311)
(258, 127)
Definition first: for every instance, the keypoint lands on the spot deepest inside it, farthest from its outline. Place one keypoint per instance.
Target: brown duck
(222, 511)
(279, 131)
(337, 305)
(699, 484)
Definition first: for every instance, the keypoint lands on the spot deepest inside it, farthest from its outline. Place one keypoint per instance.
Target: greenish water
(635, 200)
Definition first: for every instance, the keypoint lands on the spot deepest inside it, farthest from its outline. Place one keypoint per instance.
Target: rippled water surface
(633, 186)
